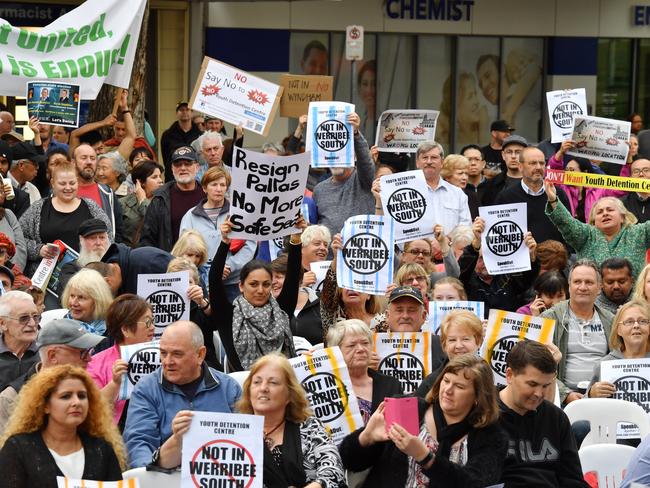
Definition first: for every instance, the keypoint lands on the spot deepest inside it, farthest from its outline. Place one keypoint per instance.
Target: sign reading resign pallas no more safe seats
(405, 356)
(235, 96)
(326, 380)
(223, 449)
(167, 295)
(405, 198)
(502, 241)
(365, 262)
(563, 105)
(504, 330)
(330, 137)
(600, 139)
(267, 194)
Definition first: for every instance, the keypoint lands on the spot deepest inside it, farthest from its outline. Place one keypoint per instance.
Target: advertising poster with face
(405, 356)
(394, 75)
(502, 242)
(167, 295)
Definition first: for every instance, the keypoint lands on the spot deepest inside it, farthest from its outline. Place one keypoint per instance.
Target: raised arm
(108, 121)
(289, 295)
(575, 233)
(126, 146)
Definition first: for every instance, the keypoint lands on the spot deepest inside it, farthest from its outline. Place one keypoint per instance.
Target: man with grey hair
(6, 123)
(582, 329)
(24, 168)
(209, 147)
(449, 202)
(160, 409)
(63, 341)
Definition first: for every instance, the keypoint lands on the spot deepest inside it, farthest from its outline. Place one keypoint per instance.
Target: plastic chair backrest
(239, 376)
(608, 461)
(154, 479)
(220, 351)
(604, 414)
(50, 315)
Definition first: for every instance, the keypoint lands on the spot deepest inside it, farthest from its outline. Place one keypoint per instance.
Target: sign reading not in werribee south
(405, 356)
(330, 136)
(563, 106)
(167, 295)
(502, 241)
(142, 358)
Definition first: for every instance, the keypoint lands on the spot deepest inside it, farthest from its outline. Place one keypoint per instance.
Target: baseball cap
(13, 135)
(92, 226)
(67, 332)
(514, 139)
(185, 153)
(406, 291)
(24, 150)
(502, 126)
(181, 104)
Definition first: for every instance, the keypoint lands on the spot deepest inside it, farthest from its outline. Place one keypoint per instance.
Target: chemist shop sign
(445, 10)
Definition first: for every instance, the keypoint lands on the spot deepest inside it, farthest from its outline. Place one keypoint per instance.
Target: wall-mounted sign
(453, 10)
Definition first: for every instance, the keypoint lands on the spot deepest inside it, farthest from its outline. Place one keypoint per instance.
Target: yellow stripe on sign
(310, 364)
(400, 345)
(524, 327)
(427, 353)
(500, 315)
(65, 482)
(547, 327)
(341, 388)
(374, 342)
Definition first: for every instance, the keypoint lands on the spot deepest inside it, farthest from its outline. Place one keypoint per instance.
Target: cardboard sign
(502, 241)
(600, 139)
(235, 96)
(223, 449)
(325, 378)
(405, 356)
(53, 103)
(143, 359)
(563, 106)
(63, 482)
(320, 269)
(167, 294)
(504, 330)
(66, 255)
(301, 90)
(406, 199)
(620, 183)
(267, 194)
(438, 311)
(365, 262)
(330, 136)
(405, 130)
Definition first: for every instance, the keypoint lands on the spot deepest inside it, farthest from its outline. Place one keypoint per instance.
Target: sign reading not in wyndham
(504, 250)
(329, 135)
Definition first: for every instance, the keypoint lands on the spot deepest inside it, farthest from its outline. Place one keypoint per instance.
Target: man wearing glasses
(639, 203)
(511, 149)
(63, 341)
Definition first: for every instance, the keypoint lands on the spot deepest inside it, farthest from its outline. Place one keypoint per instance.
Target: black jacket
(383, 386)
(133, 262)
(308, 323)
(173, 138)
(640, 208)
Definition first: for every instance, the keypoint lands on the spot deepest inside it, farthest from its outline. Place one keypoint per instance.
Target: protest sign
(593, 180)
(365, 262)
(63, 482)
(235, 96)
(46, 267)
(66, 255)
(91, 45)
(504, 250)
(167, 295)
(405, 356)
(405, 130)
(324, 376)
(330, 136)
(300, 90)
(143, 358)
(504, 330)
(319, 268)
(223, 449)
(53, 103)
(600, 139)
(405, 198)
(438, 310)
(267, 194)
(631, 377)
(563, 105)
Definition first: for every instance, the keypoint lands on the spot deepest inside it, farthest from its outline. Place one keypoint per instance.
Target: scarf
(447, 435)
(257, 331)
(95, 327)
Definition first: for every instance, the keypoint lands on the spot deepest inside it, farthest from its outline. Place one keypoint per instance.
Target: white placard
(319, 268)
(63, 482)
(405, 356)
(405, 198)
(236, 96)
(330, 136)
(504, 250)
(167, 295)
(223, 449)
(563, 105)
(405, 130)
(600, 139)
(438, 310)
(365, 262)
(143, 359)
(325, 377)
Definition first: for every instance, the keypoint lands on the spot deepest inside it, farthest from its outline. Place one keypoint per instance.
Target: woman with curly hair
(60, 427)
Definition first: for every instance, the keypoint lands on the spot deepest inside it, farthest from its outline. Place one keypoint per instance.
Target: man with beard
(617, 283)
(180, 133)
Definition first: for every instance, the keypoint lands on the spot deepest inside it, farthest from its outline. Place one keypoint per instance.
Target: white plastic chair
(154, 479)
(604, 414)
(50, 315)
(609, 461)
(239, 376)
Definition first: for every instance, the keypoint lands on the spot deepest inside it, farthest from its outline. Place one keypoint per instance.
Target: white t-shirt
(71, 465)
(586, 347)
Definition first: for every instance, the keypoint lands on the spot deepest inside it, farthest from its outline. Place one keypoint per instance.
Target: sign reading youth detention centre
(93, 44)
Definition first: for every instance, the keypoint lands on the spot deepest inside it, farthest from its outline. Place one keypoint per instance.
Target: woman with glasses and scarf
(129, 320)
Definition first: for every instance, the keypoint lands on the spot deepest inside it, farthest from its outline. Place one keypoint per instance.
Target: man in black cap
(6, 278)
(511, 149)
(171, 201)
(24, 166)
(494, 163)
(180, 133)
(20, 203)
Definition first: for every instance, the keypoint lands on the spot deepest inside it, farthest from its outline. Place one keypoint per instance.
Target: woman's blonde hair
(411, 268)
(639, 287)
(451, 163)
(191, 240)
(454, 282)
(29, 414)
(297, 409)
(628, 217)
(90, 283)
(462, 318)
(184, 264)
(336, 333)
(615, 340)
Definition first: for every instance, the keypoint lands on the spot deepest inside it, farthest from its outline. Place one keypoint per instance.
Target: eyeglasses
(631, 322)
(148, 323)
(83, 353)
(640, 171)
(419, 279)
(25, 319)
(417, 252)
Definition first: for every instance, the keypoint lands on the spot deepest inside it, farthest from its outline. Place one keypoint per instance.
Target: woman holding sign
(297, 449)
(458, 443)
(61, 427)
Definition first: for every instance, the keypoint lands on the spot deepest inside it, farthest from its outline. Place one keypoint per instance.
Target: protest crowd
(403, 319)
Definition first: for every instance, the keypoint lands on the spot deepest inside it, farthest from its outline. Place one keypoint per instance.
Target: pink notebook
(403, 411)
